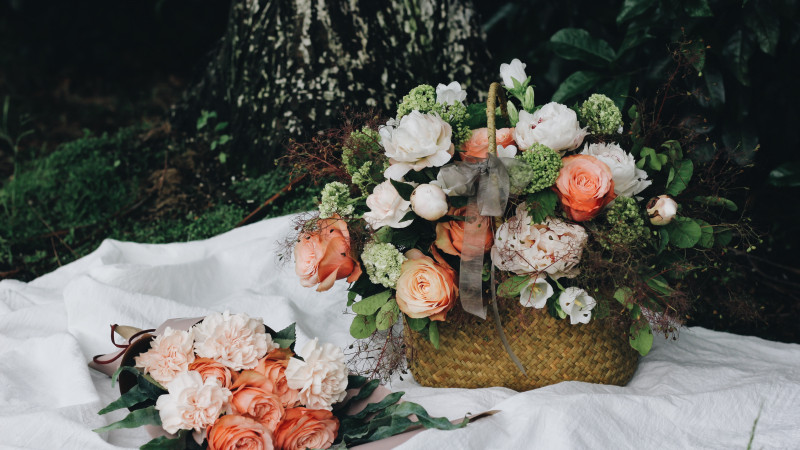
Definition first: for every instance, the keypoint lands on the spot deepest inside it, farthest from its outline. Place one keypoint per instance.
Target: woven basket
(470, 353)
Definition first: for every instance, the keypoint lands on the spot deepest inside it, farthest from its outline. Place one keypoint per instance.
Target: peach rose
(303, 428)
(584, 186)
(426, 288)
(273, 366)
(478, 144)
(232, 432)
(323, 256)
(254, 396)
(450, 235)
(209, 368)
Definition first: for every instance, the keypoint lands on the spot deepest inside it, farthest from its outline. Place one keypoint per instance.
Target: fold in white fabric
(703, 391)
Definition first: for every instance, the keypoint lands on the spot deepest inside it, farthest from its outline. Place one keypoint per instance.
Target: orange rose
(450, 235)
(254, 396)
(303, 428)
(232, 432)
(208, 367)
(273, 367)
(426, 288)
(584, 186)
(323, 256)
(478, 144)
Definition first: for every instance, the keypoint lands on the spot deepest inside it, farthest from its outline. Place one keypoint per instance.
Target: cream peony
(321, 378)
(169, 354)
(429, 202)
(554, 247)
(452, 93)
(235, 340)
(629, 180)
(554, 125)
(386, 207)
(577, 304)
(192, 404)
(418, 141)
(536, 293)
(513, 71)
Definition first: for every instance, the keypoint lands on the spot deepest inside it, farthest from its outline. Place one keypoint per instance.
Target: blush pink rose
(426, 287)
(209, 368)
(253, 396)
(323, 256)
(303, 428)
(450, 234)
(273, 367)
(584, 186)
(233, 432)
(478, 144)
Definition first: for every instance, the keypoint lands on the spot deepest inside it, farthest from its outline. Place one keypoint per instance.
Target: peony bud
(429, 202)
(661, 209)
(527, 101)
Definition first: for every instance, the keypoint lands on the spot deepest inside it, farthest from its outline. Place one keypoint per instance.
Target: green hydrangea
(423, 99)
(363, 159)
(541, 168)
(626, 224)
(382, 262)
(601, 115)
(335, 200)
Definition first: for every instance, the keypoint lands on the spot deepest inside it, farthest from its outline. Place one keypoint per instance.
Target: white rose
(235, 340)
(661, 209)
(536, 293)
(387, 208)
(515, 70)
(450, 94)
(418, 141)
(554, 125)
(577, 304)
(429, 202)
(321, 377)
(629, 180)
(169, 354)
(192, 404)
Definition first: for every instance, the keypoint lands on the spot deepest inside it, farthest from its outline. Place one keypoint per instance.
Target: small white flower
(429, 202)
(321, 377)
(577, 304)
(192, 404)
(235, 340)
(450, 94)
(515, 70)
(169, 354)
(661, 209)
(506, 152)
(554, 125)
(418, 141)
(387, 208)
(536, 293)
(629, 180)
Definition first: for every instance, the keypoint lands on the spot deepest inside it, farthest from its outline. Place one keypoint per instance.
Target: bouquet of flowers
(561, 209)
(230, 382)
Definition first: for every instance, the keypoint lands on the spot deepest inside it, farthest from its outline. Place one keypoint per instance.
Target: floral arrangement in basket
(563, 209)
(229, 382)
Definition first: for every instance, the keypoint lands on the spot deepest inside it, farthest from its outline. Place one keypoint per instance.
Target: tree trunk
(288, 68)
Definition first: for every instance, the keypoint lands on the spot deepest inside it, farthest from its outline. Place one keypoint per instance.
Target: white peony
(450, 94)
(629, 180)
(515, 70)
(169, 354)
(418, 141)
(321, 377)
(536, 293)
(235, 340)
(577, 304)
(429, 202)
(192, 404)
(387, 208)
(554, 125)
(553, 247)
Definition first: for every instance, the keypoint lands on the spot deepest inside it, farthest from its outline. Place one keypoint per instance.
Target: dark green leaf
(477, 115)
(641, 338)
(785, 175)
(683, 174)
(623, 295)
(684, 232)
(404, 189)
(635, 36)
(674, 151)
(717, 201)
(417, 324)
(578, 44)
(658, 284)
(220, 126)
(433, 334)
(766, 26)
(715, 87)
(541, 205)
(372, 304)
(362, 326)
(697, 8)
(133, 397)
(511, 287)
(137, 418)
(356, 381)
(389, 400)
(286, 337)
(387, 315)
(617, 90)
(663, 240)
(707, 236)
(166, 443)
(738, 50)
(632, 9)
(351, 297)
(578, 83)
(364, 287)
(723, 237)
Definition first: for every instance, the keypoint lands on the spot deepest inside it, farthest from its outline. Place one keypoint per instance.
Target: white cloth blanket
(703, 391)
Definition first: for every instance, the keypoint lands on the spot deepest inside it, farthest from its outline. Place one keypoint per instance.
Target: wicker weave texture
(471, 354)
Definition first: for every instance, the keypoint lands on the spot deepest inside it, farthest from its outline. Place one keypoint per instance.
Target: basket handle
(495, 93)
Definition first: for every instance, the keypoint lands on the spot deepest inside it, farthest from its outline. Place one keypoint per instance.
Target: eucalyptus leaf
(371, 304)
(707, 234)
(417, 324)
(387, 315)
(684, 232)
(641, 338)
(723, 237)
(717, 201)
(362, 326)
(512, 286)
(683, 174)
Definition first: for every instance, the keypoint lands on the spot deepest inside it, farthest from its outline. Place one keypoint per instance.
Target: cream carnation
(235, 340)
(629, 180)
(169, 354)
(386, 207)
(554, 125)
(418, 141)
(321, 378)
(554, 247)
(192, 404)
